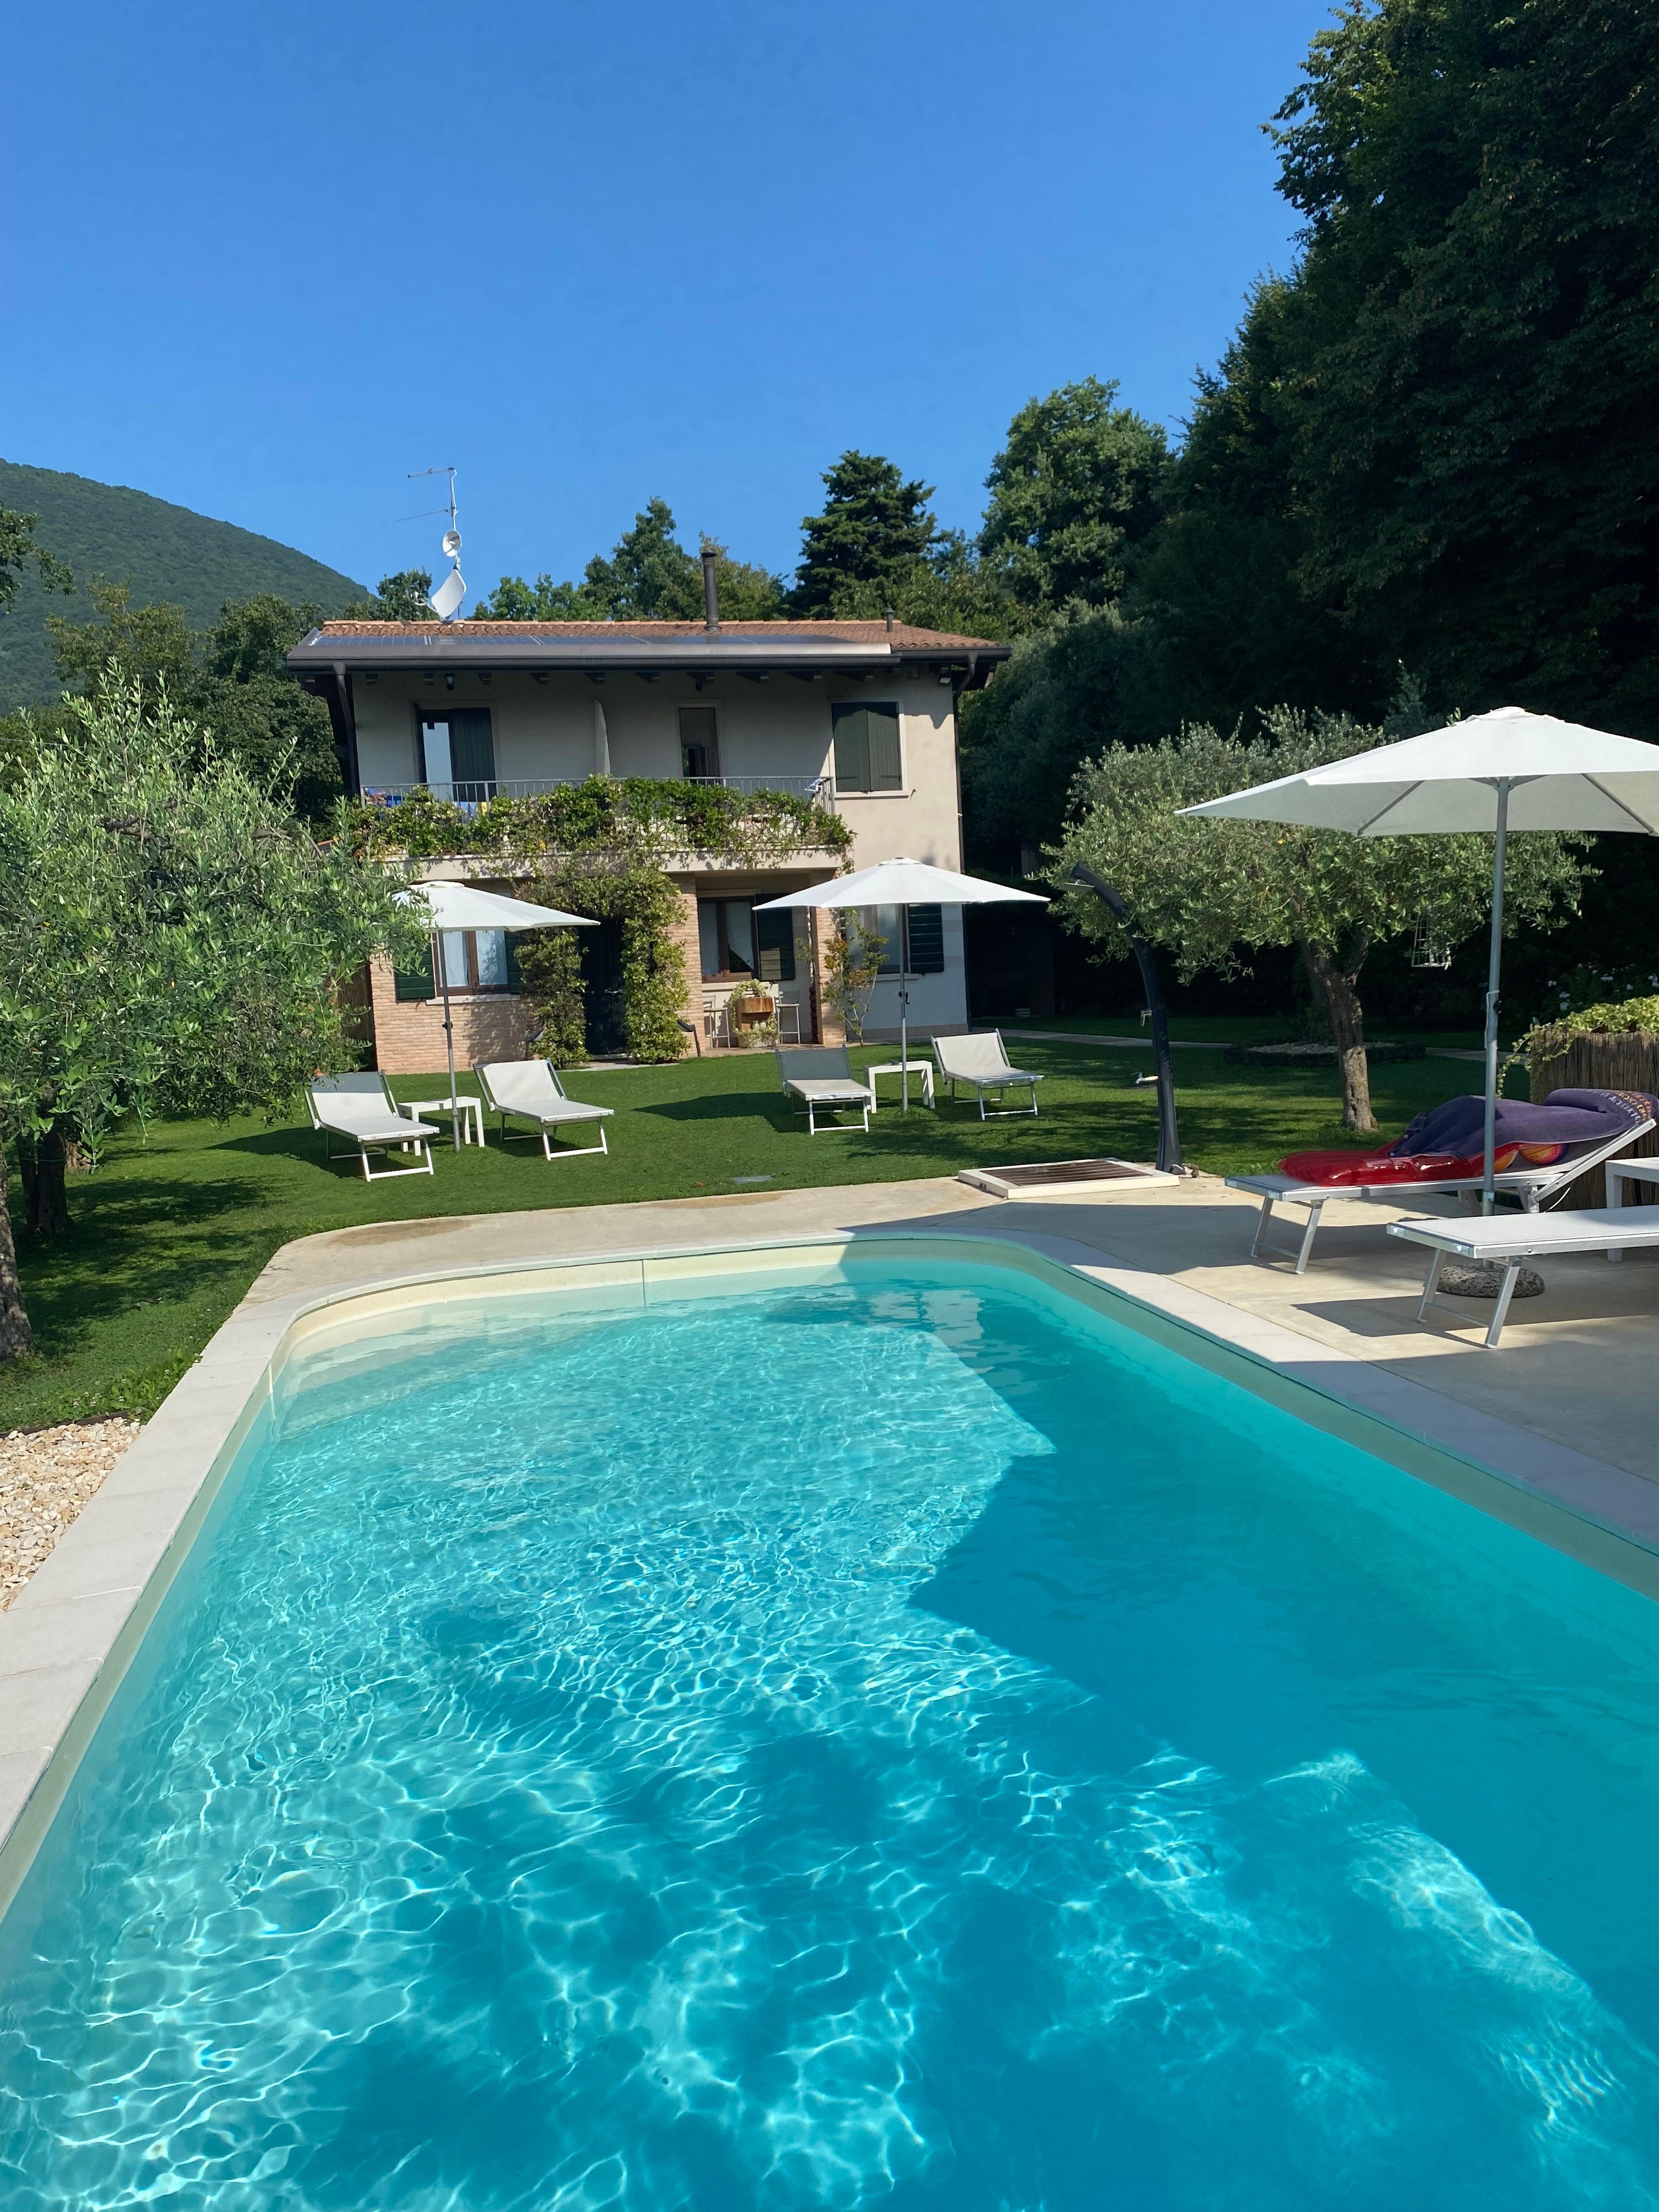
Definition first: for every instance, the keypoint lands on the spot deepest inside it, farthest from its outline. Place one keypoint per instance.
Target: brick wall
(409, 1036)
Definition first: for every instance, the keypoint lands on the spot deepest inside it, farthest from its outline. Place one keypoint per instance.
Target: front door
(602, 973)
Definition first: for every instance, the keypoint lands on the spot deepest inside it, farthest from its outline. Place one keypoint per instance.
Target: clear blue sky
(273, 257)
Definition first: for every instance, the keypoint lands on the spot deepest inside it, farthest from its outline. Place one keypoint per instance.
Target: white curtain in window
(453, 942)
(740, 932)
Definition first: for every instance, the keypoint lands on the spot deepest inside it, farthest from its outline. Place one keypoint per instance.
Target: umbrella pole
(904, 1007)
(449, 1037)
(1488, 1185)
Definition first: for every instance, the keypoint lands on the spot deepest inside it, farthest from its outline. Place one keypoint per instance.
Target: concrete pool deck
(1563, 1415)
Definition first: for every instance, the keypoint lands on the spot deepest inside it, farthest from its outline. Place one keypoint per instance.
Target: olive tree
(172, 940)
(1214, 890)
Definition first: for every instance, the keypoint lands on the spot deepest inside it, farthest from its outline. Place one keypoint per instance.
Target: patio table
(472, 1113)
(921, 1069)
(1619, 1173)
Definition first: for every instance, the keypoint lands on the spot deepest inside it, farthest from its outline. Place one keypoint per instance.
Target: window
(699, 742)
(866, 740)
(455, 753)
(735, 940)
(924, 954)
(474, 960)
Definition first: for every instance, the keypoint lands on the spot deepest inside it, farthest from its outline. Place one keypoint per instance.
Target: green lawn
(173, 1226)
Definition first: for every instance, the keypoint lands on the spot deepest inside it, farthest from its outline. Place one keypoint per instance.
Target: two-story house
(859, 714)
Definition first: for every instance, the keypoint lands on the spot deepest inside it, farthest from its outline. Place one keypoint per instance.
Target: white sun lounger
(359, 1108)
(820, 1077)
(1533, 1187)
(1508, 1241)
(982, 1060)
(529, 1090)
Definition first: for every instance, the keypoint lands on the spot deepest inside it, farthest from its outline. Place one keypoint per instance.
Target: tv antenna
(446, 601)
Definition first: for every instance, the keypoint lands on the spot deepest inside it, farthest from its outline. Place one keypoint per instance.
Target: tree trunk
(16, 1337)
(43, 1159)
(1335, 985)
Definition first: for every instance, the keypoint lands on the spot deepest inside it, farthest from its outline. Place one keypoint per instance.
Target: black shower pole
(1168, 1136)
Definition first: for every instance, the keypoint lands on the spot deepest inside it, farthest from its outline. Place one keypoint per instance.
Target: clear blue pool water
(841, 1746)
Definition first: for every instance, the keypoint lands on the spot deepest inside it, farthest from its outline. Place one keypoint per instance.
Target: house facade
(860, 716)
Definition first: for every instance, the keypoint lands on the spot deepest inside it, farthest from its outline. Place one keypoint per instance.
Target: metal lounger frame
(1534, 1188)
(360, 1150)
(812, 1106)
(542, 1128)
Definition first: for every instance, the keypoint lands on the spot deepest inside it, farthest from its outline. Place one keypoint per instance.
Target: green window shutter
(471, 745)
(514, 973)
(775, 941)
(414, 983)
(883, 725)
(926, 940)
(851, 725)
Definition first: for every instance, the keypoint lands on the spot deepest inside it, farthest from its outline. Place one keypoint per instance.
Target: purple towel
(1566, 1117)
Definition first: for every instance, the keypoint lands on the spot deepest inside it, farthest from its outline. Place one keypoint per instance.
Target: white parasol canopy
(906, 883)
(463, 905)
(1506, 771)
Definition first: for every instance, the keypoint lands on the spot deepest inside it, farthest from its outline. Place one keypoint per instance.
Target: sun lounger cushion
(1448, 1142)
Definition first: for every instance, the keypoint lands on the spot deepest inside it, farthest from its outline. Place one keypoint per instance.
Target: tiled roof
(756, 633)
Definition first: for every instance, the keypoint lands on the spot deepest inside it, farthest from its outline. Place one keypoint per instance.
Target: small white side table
(472, 1113)
(921, 1070)
(1618, 1173)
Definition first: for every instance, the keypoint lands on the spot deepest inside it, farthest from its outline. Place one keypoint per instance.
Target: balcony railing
(468, 795)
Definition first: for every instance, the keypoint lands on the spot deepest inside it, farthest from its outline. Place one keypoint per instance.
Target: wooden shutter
(883, 725)
(851, 725)
(410, 984)
(471, 745)
(775, 942)
(926, 940)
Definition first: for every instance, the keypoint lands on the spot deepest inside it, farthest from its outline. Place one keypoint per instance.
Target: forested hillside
(167, 552)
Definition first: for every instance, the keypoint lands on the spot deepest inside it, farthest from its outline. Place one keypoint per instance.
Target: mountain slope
(167, 552)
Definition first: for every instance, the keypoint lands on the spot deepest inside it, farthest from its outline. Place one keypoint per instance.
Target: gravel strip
(46, 1475)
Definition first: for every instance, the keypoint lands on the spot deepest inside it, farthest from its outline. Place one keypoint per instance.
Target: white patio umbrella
(462, 906)
(904, 883)
(1497, 772)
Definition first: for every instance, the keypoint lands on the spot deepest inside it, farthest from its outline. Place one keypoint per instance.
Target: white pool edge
(67, 1641)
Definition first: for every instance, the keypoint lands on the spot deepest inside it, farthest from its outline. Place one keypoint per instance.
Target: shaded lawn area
(174, 1225)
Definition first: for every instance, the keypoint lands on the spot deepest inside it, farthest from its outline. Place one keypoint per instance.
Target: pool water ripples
(840, 1747)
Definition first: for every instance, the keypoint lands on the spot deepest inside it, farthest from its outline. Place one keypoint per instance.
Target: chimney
(889, 621)
(711, 590)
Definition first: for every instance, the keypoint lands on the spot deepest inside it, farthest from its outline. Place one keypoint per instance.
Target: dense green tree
(514, 600)
(19, 552)
(172, 940)
(1080, 483)
(872, 539)
(1214, 890)
(648, 576)
(152, 644)
(233, 681)
(1471, 384)
(398, 598)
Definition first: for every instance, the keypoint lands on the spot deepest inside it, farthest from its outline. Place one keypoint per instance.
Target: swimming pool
(890, 1739)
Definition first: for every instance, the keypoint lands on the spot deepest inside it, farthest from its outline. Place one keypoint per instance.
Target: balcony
(469, 796)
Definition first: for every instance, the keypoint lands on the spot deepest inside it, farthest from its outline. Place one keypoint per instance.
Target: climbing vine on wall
(604, 847)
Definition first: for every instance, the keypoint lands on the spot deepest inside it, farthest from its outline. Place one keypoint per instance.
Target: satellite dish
(445, 602)
(453, 542)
